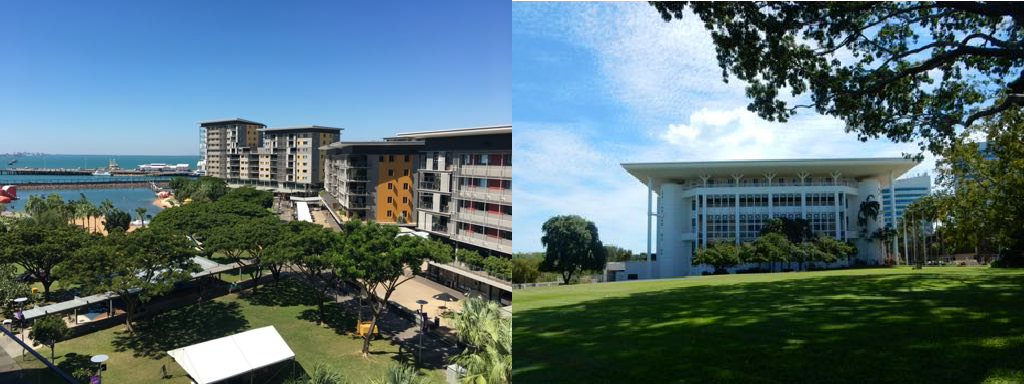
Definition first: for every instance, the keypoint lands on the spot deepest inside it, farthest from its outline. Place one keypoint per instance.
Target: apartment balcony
(445, 228)
(486, 170)
(487, 194)
(484, 241)
(357, 191)
(429, 207)
(484, 218)
(430, 185)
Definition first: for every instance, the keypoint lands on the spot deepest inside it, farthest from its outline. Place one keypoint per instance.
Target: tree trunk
(276, 272)
(566, 278)
(373, 325)
(53, 353)
(320, 306)
(129, 312)
(46, 289)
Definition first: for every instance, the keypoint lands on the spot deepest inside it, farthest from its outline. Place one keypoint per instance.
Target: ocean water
(93, 161)
(124, 199)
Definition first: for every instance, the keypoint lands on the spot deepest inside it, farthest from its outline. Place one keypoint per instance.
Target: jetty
(153, 182)
(83, 172)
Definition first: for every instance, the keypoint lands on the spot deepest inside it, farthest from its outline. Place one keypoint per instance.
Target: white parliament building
(701, 202)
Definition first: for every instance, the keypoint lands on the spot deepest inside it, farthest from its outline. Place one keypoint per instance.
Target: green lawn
(137, 359)
(939, 324)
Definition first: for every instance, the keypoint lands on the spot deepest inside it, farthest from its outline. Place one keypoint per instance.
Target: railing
(443, 228)
(732, 185)
(432, 185)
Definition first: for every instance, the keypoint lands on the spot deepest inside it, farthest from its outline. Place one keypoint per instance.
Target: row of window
(471, 229)
(778, 200)
(480, 207)
(719, 226)
(778, 181)
(484, 183)
(391, 158)
(391, 200)
(405, 186)
(391, 172)
(491, 159)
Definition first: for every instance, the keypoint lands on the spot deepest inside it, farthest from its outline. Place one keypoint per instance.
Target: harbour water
(124, 199)
(93, 161)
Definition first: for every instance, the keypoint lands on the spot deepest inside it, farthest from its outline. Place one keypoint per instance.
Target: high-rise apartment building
(906, 191)
(284, 159)
(372, 180)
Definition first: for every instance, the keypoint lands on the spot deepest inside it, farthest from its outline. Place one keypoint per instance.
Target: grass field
(939, 324)
(138, 359)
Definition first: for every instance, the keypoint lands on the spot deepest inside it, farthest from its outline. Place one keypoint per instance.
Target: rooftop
(487, 130)
(847, 167)
(235, 120)
(305, 128)
(347, 144)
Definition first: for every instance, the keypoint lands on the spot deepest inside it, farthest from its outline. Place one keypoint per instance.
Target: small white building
(701, 202)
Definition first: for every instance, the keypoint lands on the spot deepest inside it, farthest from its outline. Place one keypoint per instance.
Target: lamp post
(423, 327)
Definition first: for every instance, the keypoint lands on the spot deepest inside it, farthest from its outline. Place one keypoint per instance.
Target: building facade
(464, 186)
(906, 191)
(702, 202)
(372, 180)
(282, 159)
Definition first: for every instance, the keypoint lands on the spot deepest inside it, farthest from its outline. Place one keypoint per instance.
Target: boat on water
(12, 162)
(161, 167)
(112, 166)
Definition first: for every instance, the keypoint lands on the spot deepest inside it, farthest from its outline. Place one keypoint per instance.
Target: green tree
(983, 202)
(470, 257)
(616, 253)
(488, 336)
(868, 210)
(525, 269)
(572, 245)
(833, 249)
(249, 195)
(48, 331)
(117, 220)
(905, 70)
(314, 251)
(796, 230)
(378, 261)
(721, 255)
(141, 211)
(39, 248)
(138, 266)
(498, 266)
(10, 287)
(771, 247)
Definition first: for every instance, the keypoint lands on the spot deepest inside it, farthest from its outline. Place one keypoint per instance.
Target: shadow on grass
(335, 316)
(285, 293)
(916, 327)
(181, 327)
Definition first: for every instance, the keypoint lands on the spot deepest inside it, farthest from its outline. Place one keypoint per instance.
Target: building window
(389, 200)
(389, 213)
(405, 186)
(390, 186)
(405, 200)
(381, 158)
(391, 172)
(407, 158)
(405, 172)
(391, 157)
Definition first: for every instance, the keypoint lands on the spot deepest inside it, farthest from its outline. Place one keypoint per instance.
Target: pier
(106, 182)
(83, 172)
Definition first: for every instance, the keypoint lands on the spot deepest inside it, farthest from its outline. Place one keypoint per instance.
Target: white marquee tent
(218, 359)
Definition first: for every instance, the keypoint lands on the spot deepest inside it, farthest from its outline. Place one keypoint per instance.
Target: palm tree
(400, 374)
(141, 211)
(107, 206)
(868, 210)
(488, 332)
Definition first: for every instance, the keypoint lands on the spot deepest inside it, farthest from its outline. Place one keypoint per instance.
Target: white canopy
(218, 359)
(302, 210)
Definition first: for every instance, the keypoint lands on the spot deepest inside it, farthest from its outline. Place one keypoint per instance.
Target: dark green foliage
(39, 248)
(10, 288)
(204, 188)
(796, 230)
(904, 70)
(771, 247)
(525, 269)
(137, 265)
(721, 255)
(616, 253)
(572, 245)
(470, 257)
(49, 330)
(117, 220)
(498, 266)
(250, 195)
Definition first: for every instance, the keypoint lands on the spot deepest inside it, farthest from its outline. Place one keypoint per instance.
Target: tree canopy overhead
(904, 70)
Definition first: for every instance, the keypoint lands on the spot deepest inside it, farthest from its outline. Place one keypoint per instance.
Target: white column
(650, 193)
(892, 205)
(803, 195)
(736, 218)
(704, 221)
(835, 204)
(769, 176)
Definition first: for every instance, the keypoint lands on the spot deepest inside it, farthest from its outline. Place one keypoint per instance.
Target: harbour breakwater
(100, 185)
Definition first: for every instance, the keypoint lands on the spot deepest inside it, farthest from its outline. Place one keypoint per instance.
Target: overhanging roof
(488, 130)
(318, 128)
(346, 144)
(848, 167)
(235, 120)
(230, 356)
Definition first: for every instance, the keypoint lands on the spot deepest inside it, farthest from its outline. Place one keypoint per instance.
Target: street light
(423, 325)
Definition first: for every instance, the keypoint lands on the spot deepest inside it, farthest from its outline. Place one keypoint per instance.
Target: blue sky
(135, 77)
(596, 84)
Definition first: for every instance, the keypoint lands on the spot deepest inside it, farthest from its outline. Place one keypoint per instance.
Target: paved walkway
(439, 298)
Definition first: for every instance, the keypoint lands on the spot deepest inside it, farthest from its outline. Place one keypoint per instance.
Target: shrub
(525, 269)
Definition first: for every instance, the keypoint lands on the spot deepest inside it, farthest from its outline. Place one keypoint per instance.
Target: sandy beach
(165, 203)
(95, 224)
